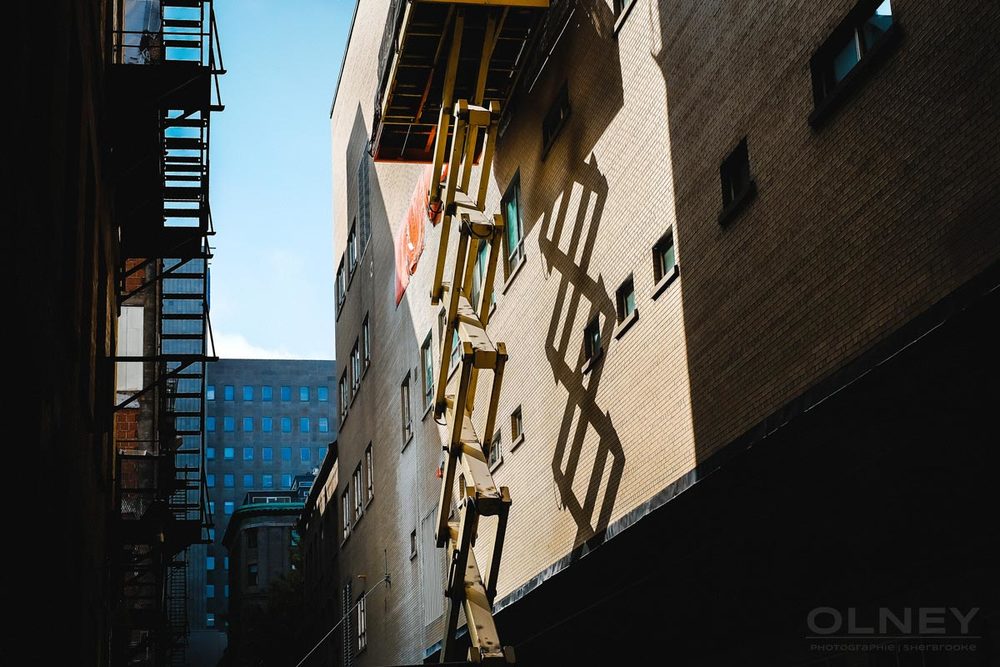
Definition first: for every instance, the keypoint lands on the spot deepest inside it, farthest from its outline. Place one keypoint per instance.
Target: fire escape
(446, 71)
(164, 87)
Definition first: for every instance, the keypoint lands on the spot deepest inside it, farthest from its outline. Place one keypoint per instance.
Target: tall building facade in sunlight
(749, 259)
(266, 421)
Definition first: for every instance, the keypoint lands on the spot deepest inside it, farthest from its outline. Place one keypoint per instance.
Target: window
(228, 392)
(210, 480)
(225, 590)
(286, 481)
(247, 392)
(592, 339)
(266, 424)
(303, 424)
(305, 454)
(369, 474)
(211, 507)
(210, 620)
(286, 454)
(737, 184)
(479, 275)
(247, 424)
(303, 393)
(404, 400)
(210, 424)
(251, 538)
(366, 346)
(229, 424)
(625, 298)
(341, 287)
(495, 456)
(357, 489)
(619, 6)
(555, 118)
(860, 38)
(413, 544)
(266, 392)
(321, 453)
(442, 326)
(516, 427)
(427, 370)
(229, 481)
(362, 623)
(248, 453)
(267, 454)
(267, 481)
(225, 562)
(251, 574)
(364, 200)
(211, 533)
(323, 393)
(345, 397)
(456, 350)
(228, 507)
(356, 369)
(286, 424)
(324, 424)
(286, 393)
(511, 207)
(210, 453)
(209, 591)
(664, 258)
(248, 481)
(209, 562)
(210, 392)
(229, 453)
(345, 512)
(352, 250)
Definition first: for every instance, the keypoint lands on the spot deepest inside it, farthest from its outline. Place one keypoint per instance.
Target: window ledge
(665, 281)
(622, 327)
(593, 362)
(742, 200)
(513, 274)
(517, 443)
(620, 21)
(496, 464)
(826, 108)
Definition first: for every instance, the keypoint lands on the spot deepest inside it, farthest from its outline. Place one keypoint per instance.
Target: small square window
(209, 562)
(209, 591)
(267, 454)
(210, 392)
(229, 481)
(266, 424)
(210, 453)
(247, 392)
(664, 257)
(248, 481)
(303, 424)
(516, 426)
(286, 424)
(495, 455)
(286, 481)
(514, 226)
(210, 424)
(266, 393)
(286, 393)
(248, 424)
(737, 184)
(592, 339)
(625, 299)
(210, 620)
(210, 480)
(229, 424)
(267, 481)
(324, 425)
(248, 453)
(303, 393)
(228, 392)
(323, 394)
(229, 453)
(228, 507)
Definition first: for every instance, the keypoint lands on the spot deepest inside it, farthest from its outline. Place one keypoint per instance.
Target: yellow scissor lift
(434, 53)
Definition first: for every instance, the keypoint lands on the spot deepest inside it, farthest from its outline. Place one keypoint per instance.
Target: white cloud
(235, 346)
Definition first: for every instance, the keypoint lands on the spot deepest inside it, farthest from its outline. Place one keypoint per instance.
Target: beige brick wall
(856, 229)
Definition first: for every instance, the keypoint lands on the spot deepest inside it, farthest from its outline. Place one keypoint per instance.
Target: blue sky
(272, 275)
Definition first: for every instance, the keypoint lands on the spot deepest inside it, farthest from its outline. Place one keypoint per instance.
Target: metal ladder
(467, 455)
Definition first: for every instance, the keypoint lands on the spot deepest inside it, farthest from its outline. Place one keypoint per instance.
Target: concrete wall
(856, 229)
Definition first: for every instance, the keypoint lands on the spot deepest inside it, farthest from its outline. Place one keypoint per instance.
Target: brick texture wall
(856, 228)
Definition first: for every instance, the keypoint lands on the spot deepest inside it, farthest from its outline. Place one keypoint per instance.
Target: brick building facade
(713, 473)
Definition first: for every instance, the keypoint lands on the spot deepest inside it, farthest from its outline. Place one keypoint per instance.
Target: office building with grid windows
(267, 422)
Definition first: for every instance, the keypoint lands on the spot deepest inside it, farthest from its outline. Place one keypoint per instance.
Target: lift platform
(437, 51)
